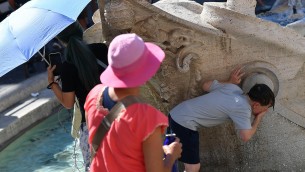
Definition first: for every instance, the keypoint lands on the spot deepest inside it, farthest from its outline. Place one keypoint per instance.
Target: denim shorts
(189, 140)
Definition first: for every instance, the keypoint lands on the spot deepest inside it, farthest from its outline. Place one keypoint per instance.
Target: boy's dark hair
(263, 94)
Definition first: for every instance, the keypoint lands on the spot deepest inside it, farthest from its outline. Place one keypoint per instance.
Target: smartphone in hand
(55, 59)
(170, 138)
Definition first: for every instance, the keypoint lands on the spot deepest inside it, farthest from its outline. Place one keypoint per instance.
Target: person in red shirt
(134, 141)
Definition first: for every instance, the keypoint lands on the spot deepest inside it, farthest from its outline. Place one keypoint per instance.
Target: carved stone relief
(150, 29)
(180, 46)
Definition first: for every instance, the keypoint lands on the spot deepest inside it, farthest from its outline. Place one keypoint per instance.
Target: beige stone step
(15, 120)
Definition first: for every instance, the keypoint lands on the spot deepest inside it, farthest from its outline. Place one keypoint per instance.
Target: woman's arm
(154, 155)
(67, 99)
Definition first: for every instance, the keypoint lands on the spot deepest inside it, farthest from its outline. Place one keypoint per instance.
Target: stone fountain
(204, 42)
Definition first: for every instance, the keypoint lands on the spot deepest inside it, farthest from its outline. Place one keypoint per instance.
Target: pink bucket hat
(132, 61)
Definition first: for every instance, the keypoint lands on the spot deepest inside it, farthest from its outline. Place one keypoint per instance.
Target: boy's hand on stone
(236, 75)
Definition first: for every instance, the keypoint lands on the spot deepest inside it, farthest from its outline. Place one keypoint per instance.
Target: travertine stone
(94, 34)
(119, 14)
(249, 28)
(242, 6)
(96, 17)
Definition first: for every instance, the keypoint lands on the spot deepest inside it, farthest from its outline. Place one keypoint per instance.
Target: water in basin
(48, 147)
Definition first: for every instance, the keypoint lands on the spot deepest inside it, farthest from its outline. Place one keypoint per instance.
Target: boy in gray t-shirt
(224, 101)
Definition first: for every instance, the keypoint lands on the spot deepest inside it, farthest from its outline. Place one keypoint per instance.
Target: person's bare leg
(192, 167)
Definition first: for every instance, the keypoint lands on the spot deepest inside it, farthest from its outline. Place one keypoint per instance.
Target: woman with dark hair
(79, 74)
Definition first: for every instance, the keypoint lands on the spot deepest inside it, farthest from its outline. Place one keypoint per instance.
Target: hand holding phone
(169, 139)
(55, 59)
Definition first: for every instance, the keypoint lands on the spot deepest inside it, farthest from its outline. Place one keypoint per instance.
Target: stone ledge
(13, 93)
(292, 110)
(16, 120)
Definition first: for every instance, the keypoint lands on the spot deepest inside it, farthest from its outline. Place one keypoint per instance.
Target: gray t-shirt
(223, 102)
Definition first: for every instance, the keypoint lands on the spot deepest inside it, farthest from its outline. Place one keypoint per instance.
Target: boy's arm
(206, 86)
(235, 78)
(247, 134)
